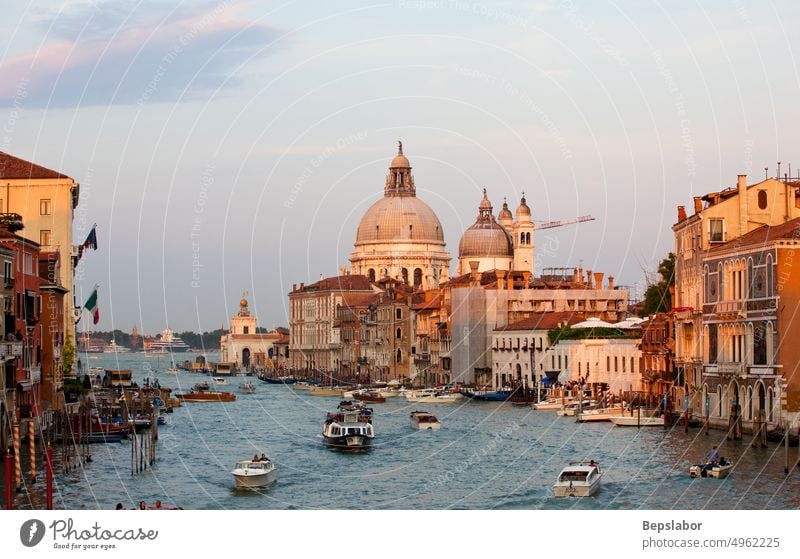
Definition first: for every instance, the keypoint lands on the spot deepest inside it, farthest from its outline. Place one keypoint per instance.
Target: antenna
(779, 171)
(766, 173)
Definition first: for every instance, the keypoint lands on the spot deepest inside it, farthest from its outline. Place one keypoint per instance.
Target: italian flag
(91, 306)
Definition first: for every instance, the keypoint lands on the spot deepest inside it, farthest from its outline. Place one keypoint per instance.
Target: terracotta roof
(763, 236)
(351, 282)
(544, 321)
(359, 299)
(15, 168)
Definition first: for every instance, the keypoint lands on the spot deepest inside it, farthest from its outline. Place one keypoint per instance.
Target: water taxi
(579, 479)
(423, 420)
(203, 393)
(369, 396)
(249, 474)
(348, 430)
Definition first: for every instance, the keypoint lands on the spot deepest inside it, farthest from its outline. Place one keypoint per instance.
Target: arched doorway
(246, 358)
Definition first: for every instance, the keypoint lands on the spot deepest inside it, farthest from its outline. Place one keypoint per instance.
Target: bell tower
(523, 238)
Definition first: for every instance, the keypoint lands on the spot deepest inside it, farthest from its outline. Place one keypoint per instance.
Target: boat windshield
(573, 475)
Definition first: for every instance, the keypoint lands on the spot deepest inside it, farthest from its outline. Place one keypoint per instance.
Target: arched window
(770, 278)
(762, 199)
(399, 356)
(398, 313)
(769, 404)
(371, 274)
(399, 333)
(405, 275)
(417, 277)
(749, 403)
(719, 400)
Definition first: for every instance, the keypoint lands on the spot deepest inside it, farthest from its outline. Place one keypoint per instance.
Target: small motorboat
(219, 380)
(172, 371)
(423, 420)
(249, 474)
(579, 479)
(248, 387)
(719, 469)
(556, 404)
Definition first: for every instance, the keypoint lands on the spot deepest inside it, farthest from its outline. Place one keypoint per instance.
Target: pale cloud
(100, 54)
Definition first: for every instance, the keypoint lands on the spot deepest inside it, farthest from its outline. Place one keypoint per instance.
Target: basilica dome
(486, 237)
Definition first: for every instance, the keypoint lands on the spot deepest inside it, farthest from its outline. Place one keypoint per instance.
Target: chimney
(610, 282)
(588, 279)
(501, 276)
(294, 287)
(510, 285)
(580, 275)
(473, 269)
(698, 204)
(302, 285)
(681, 213)
(598, 280)
(743, 209)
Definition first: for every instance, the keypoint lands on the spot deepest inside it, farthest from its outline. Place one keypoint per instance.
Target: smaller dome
(505, 213)
(243, 303)
(523, 208)
(485, 239)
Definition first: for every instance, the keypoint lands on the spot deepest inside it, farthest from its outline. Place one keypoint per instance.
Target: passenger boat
(349, 430)
(369, 396)
(248, 387)
(579, 479)
(636, 421)
(251, 475)
(349, 405)
(202, 393)
(719, 470)
(423, 420)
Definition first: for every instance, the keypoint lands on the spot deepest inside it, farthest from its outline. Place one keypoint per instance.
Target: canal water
(487, 455)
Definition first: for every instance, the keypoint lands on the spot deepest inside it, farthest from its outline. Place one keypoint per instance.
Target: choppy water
(486, 455)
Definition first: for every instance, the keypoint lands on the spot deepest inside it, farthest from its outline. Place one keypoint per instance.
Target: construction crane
(551, 224)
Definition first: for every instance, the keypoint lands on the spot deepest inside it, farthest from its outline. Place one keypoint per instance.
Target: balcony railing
(9, 350)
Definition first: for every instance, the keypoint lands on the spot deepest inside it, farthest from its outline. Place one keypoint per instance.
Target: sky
(225, 147)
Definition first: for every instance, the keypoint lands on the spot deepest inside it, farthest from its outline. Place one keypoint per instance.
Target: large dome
(399, 218)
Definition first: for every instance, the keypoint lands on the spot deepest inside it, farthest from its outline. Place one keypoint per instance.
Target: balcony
(10, 350)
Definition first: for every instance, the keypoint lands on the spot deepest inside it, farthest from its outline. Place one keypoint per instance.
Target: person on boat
(120, 506)
(713, 456)
(142, 505)
(592, 463)
(158, 504)
(264, 457)
(255, 458)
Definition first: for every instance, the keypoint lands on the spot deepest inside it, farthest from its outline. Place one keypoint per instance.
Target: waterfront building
(314, 344)
(749, 316)
(719, 217)
(52, 328)
(356, 323)
(504, 245)
(396, 333)
(26, 312)
(46, 200)
(657, 366)
(245, 346)
(521, 351)
(482, 302)
(399, 236)
(432, 357)
(9, 350)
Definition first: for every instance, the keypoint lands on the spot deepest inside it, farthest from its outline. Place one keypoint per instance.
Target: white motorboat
(219, 380)
(579, 479)
(573, 409)
(552, 404)
(432, 396)
(423, 420)
(600, 414)
(171, 371)
(719, 469)
(250, 475)
(636, 421)
(248, 387)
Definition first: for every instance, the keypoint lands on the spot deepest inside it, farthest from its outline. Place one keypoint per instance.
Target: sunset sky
(232, 146)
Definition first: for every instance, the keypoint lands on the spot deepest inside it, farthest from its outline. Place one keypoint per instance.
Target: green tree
(657, 297)
(67, 355)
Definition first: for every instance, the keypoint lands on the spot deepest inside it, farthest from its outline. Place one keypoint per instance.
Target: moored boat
(249, 474)
(599, 414)
(369, 396)
(579, 479)
(636, 421)
(423, 420)
(247, 387)
(487, 395)
(202, 393)
(326, 391)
